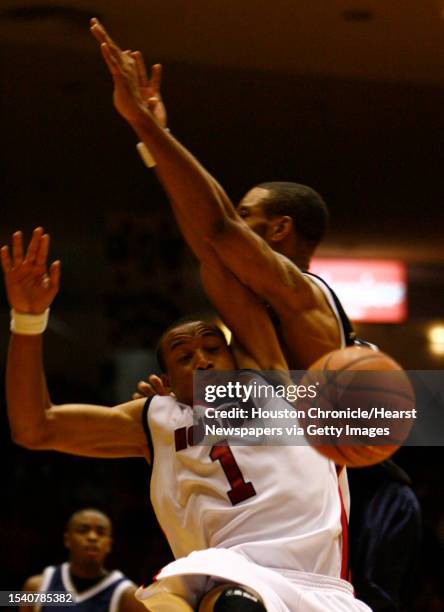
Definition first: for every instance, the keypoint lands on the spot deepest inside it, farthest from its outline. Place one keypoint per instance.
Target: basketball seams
(366, 358)
(334, 389)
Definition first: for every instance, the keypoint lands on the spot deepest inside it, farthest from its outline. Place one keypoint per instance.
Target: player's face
(88, 538)
(252, 212)
(189, 347)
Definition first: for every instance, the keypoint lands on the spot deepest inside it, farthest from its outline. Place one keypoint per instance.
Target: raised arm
(189, 186)
(255, 341)
(203, 210)
(93, 431)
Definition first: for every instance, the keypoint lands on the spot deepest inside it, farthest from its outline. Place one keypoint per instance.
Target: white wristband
(29, 324)
(145, 153)
(146, 156)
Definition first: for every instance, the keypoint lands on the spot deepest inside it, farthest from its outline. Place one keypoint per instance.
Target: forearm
(26, 390)
(200, 204)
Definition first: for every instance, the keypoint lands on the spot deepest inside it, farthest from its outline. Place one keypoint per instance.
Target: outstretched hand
(154, 386)
(134, 90)
(30, 287)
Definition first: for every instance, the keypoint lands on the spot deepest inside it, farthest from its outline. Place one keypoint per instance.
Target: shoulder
(33, 583)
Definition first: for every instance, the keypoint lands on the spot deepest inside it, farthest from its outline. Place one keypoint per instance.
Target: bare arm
(80, 429)
(203, 210)
(32, 584)
(128, 602)
(94, 431)
(245, 315)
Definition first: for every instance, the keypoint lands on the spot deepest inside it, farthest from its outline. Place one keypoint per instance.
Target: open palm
(30, 287)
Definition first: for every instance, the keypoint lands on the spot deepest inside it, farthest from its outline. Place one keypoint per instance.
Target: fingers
(154, 386)
(101, 35)
(98, 31)
(156, 77)
(152, 104)
(41, 254)
(17, 248)
(141, 69)
(6, 259)
(157, 384)
(144, 390)
(34, 263)
(54, 275)
(110, 61)
(34, 244)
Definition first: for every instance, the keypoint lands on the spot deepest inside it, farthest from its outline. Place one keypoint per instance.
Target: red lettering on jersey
(240, 490)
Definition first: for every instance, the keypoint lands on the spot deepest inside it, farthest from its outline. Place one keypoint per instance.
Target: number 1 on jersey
(240, 490)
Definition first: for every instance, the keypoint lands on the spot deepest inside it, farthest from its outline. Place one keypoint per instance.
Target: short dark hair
(75, 515)
(178, 323)
(303, 204)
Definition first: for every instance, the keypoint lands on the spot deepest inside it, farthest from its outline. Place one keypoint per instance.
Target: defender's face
(88, 538)
(193, 346)
(251, 210)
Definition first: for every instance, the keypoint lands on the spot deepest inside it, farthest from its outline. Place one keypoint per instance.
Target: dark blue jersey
(103, 596)
(385, 517)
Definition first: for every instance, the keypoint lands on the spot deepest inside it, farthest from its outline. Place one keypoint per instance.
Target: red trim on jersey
(345, 574)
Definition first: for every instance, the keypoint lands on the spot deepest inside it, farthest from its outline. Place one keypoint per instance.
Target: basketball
(364, 406)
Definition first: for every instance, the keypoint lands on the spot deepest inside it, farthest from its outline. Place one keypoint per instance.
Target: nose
(92, 535)
(202, 362)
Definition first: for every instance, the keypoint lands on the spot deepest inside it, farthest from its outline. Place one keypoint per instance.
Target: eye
(184, 359)
(212, 349)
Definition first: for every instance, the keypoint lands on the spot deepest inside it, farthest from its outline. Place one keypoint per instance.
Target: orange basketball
(364, 406)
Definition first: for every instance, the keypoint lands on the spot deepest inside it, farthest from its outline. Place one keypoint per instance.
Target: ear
(280, 228)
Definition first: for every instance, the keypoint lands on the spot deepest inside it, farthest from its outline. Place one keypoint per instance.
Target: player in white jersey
(289, 517)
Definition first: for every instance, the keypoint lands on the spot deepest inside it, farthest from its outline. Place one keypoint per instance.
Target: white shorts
(280, 590)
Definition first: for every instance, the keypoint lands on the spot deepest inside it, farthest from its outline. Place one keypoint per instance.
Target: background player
(88, 538)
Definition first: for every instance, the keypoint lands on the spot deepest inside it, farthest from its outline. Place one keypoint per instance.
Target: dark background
(345, 96)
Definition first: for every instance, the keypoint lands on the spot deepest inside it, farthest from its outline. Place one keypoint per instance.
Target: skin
(265, 255)
(99, 431)
(88, 539)
(190, 347)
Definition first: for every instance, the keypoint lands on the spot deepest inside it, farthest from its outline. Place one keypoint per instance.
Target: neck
(297, 253)
(301, 260)
(87, 570)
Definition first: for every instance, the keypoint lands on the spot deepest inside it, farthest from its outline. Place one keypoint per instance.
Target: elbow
(220, 229)
(30, 440)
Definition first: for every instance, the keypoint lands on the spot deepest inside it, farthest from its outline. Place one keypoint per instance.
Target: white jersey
(277, 506)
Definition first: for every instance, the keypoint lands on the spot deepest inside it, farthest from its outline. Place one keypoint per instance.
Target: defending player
(88, 538)
(266, 243)
(265, 518)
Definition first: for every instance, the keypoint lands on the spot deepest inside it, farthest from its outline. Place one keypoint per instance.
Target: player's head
(292, 218)
(187, 346)
(88, 537)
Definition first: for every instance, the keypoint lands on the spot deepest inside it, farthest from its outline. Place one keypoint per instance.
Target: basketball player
(266, 521)
(267, 243)
(88, 538)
